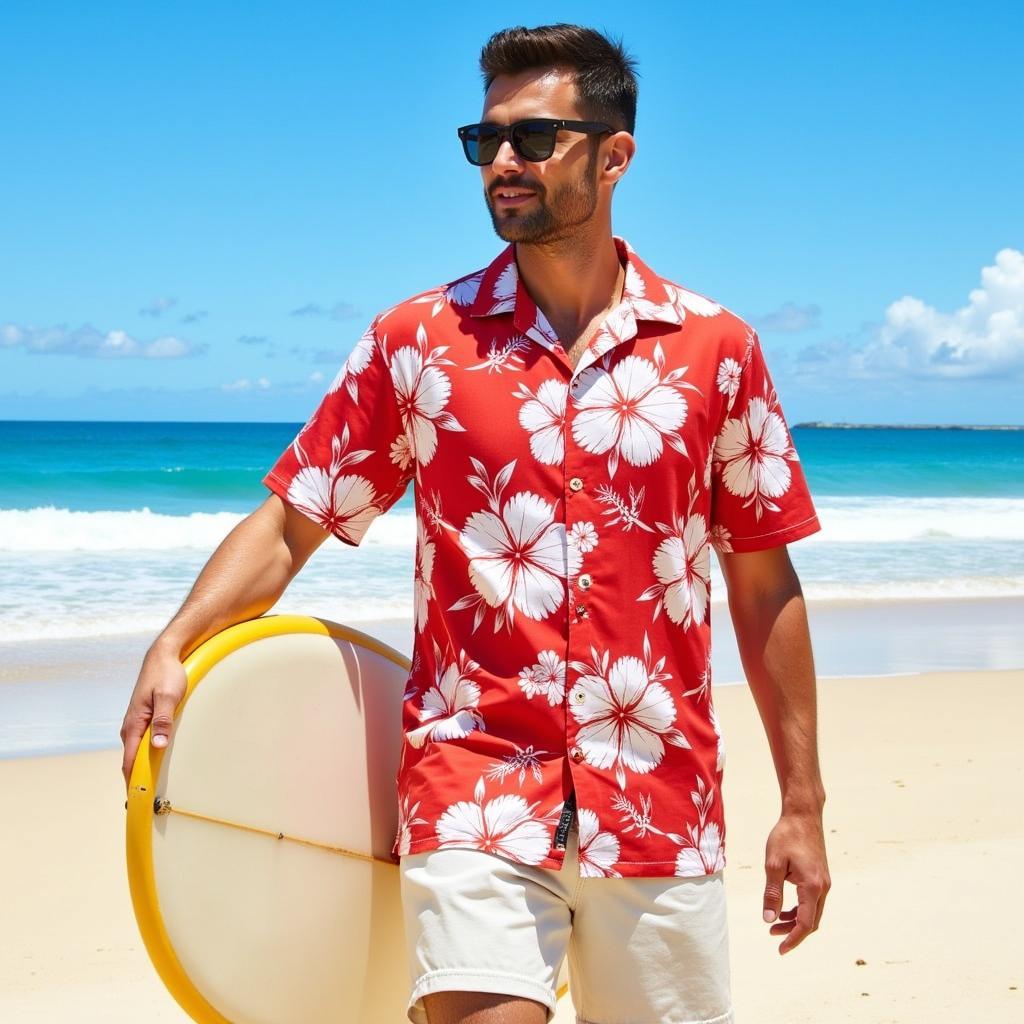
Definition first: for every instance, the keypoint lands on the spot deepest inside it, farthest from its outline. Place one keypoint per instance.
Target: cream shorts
(641, 950)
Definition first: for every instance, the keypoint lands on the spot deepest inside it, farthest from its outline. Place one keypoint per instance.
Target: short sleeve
(351, 460)
(759, 495)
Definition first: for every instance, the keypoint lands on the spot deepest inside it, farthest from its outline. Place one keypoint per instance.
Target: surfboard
(259, 840)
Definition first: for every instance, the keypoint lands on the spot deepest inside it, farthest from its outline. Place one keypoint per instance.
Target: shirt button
(585, 580)
(576, 753)
(576, 484)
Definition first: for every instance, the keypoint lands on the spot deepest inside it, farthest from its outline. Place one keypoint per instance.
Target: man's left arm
(770, 619)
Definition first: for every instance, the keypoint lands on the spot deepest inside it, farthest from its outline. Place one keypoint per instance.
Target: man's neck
(573, 282)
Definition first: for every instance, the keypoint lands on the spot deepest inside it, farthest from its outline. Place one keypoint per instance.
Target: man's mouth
(512, 196)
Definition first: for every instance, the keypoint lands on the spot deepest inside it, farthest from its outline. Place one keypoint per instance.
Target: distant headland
(824, 425)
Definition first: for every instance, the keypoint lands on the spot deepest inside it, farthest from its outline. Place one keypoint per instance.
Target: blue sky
(227, 193)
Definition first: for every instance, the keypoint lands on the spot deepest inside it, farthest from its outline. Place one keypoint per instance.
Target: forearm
(774, 643)
(245, 576)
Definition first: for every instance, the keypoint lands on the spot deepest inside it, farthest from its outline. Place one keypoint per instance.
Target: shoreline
(70, 695)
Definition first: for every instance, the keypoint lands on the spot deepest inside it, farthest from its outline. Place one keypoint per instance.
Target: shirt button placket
(576, 510)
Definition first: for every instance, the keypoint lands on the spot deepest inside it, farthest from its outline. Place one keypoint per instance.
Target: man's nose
(507, 158)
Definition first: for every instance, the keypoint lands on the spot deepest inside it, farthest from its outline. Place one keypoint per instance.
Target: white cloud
(87, 341)
(339, 311)
(168, 347)
(158, 306)
(789, 317)
(245, 384)
(984, 338)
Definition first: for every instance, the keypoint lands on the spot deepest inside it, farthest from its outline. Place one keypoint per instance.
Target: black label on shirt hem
(562, 831)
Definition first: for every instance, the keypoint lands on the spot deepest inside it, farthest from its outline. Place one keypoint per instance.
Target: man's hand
(795, 852)
(161, 684)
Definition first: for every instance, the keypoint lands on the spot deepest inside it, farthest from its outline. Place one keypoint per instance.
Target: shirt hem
(625, 868)
(784, 535)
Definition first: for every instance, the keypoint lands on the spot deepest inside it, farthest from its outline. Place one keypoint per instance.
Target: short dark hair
(605, 74)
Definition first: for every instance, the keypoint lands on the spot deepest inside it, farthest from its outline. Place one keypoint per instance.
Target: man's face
(565, 192)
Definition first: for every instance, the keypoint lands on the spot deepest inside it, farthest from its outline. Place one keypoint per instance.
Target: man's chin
(515, 229)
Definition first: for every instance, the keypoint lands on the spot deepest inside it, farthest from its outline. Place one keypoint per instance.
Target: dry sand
(924, 821)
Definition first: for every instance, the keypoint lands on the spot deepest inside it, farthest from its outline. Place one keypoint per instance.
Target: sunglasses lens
(535, 140)
(481, 144)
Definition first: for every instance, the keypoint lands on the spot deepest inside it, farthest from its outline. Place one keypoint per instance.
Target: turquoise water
(177, 468)
(130, 512)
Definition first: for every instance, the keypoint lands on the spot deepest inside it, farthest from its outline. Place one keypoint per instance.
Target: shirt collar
(646, 295)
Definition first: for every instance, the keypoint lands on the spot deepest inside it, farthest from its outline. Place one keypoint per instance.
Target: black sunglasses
(533, 139)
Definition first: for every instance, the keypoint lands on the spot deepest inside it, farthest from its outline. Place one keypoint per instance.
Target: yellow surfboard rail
(141, 808)
(142, 792)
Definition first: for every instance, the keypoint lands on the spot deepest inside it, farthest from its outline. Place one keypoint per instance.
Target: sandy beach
(923, 823)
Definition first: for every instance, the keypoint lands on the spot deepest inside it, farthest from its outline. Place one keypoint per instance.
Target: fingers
(808, 896)
(826, 885)
(775, 874)
(164, 704)
(132, 730)
(161, 686)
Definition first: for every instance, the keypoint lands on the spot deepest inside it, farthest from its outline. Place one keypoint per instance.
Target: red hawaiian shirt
(564, 519)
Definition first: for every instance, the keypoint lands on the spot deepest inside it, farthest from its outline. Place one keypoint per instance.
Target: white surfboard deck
(259, 840)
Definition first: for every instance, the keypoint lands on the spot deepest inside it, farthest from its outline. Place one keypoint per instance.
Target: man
(580, 431)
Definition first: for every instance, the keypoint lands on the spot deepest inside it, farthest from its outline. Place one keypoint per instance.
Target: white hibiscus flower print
(543, 330)
(624, 713)
(504, 826)
(406, 819)
(690, 302)
(752, 452)
(633, 285)
(542, 415)
(401, 451)
(449, 707)
(703, 848)
(597, 851)
(464, 291)
(357, 361)
(703, 852)
(721, 538)
(519, 556)
(728, 378)
(702, 691)
(635, 290)
(631, 411)
(545, 678)
(423, 587)
(704, 855)
(423, 390)
(505, 285)
(344, 503)
(682, 564)
(583, 536)
(720, 761)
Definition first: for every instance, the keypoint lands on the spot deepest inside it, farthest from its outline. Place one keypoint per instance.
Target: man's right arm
(244, 577)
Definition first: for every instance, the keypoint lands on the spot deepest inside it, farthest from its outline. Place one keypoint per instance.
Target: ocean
(105, 525)
(919, 565)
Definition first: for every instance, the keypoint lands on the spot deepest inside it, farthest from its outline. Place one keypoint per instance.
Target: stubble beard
(571, 204)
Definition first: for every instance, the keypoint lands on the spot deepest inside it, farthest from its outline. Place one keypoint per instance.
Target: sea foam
(852, 520)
